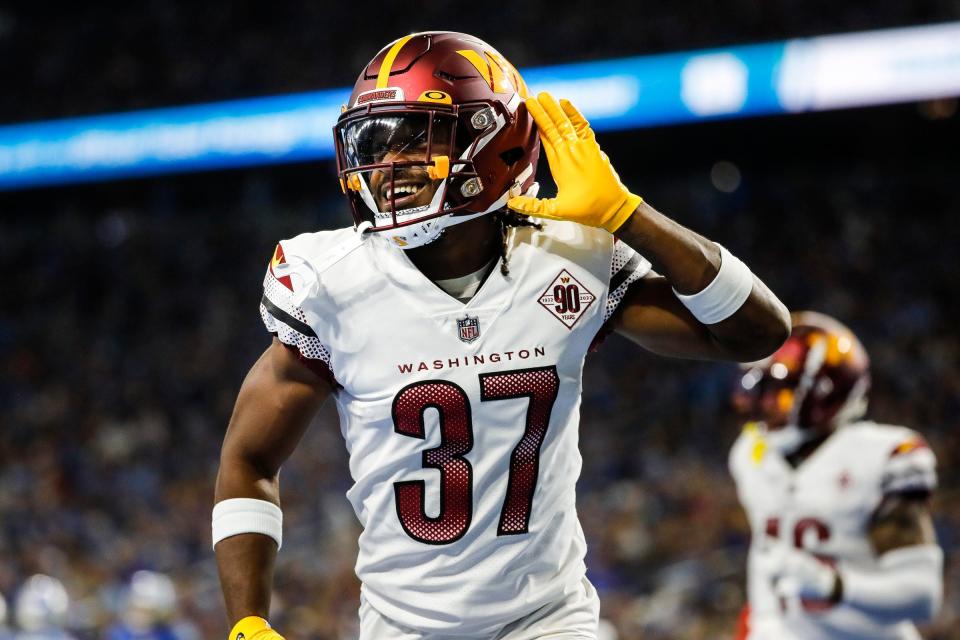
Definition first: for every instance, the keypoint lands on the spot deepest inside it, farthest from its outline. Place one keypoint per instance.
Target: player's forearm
(686, 258)
(276, 403)
(906, 584)
(691, 262)
(245, 562)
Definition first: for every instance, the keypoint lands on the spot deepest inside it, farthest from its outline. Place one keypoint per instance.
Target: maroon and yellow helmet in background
(818, 380)
(436, 133)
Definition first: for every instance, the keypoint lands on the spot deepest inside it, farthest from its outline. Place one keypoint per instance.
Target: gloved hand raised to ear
(589, 190)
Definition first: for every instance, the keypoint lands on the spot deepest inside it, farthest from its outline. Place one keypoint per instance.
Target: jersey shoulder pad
(563, 237)
(291, 285)
(321, 249)
(299, 263)
(911, 465)
(908, 464)
(584, 245)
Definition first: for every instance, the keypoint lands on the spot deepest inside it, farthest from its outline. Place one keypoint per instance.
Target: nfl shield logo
(468, 328)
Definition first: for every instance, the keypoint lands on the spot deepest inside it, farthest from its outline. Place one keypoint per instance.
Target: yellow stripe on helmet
(499, 74)
(481, 63)
(383, 76)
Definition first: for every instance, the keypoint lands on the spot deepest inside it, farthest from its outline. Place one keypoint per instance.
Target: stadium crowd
(128, 322)
(126, 331)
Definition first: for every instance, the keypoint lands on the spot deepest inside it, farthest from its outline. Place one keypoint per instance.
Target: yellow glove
(589, 190)
(253, 628)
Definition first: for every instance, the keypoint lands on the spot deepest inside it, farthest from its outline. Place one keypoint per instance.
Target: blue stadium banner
(827, 72)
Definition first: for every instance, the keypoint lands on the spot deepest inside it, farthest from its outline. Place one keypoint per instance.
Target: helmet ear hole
(511, 156)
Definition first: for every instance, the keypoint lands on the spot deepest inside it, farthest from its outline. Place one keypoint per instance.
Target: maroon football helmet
(816, 381)
(436, 133)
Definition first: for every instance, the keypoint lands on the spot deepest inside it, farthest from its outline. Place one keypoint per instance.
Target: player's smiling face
(410, 141)
(410, 187)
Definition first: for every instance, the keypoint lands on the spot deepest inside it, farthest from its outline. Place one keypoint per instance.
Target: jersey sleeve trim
(906, 447)
(286, 320)
(628, 270)
(309, 350)
(626, 267)
(910, 468)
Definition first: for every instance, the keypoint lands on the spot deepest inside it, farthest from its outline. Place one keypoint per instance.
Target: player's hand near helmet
(589, 190)
(798, 574)
(253, 628)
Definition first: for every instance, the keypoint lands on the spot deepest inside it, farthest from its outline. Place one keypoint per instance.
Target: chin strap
(423, 233)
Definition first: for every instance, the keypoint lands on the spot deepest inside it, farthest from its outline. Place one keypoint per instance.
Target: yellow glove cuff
(248, 628)
(623, 212)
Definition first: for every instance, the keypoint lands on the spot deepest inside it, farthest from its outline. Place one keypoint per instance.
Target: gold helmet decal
(499, 74)
(435, 95)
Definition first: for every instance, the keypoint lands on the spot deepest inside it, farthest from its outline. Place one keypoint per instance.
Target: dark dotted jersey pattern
(456, 433)
(541, 386)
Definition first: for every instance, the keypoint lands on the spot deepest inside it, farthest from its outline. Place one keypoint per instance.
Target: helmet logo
(379, 95)
(433, 95)
(499, 74)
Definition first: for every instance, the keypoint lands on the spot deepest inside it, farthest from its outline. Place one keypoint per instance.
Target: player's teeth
(403, 190)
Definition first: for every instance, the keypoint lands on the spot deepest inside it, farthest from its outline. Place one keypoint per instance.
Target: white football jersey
(460, 419)
(824, 506)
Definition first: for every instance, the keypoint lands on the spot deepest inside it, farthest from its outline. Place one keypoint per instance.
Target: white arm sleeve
(905, 584)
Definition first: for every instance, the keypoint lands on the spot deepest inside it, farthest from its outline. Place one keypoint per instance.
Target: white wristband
(724, 295)
(247, 515)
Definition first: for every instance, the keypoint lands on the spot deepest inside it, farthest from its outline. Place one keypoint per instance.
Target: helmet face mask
(412, 167)
(404, 164)
(817, 381)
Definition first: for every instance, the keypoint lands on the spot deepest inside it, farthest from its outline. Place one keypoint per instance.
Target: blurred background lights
(751, 378)
(725, 176)
(844, 344)
(714, 84)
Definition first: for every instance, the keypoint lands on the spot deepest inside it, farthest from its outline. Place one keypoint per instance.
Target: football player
(40, 609)
(4, 629)
(842, 537)
(149, 610)
(450, 324)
